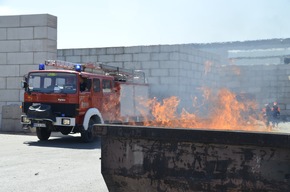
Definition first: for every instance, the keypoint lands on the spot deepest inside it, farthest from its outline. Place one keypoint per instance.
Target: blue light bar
(78, 67)
(41, 66)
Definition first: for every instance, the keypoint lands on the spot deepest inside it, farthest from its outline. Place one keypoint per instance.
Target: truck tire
(87, 135)
(43, 133)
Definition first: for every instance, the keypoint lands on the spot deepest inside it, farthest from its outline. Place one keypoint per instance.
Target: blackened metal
(168, 159)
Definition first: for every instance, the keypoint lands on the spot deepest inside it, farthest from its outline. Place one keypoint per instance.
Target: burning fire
(225, 111)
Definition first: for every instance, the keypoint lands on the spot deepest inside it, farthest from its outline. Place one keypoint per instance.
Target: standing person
(275, 114)
(267, 114)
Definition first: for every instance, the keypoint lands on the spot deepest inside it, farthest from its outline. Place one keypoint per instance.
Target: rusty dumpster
(136, 158)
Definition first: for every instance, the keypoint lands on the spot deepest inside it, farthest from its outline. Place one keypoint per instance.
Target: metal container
(136, 158)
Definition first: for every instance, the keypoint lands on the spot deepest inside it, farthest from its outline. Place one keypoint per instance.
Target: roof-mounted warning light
(41, 66)
(78, 67)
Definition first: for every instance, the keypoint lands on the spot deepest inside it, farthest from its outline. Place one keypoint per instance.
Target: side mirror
(24, 84)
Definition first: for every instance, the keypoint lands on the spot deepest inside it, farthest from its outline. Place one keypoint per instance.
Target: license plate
(39, 125)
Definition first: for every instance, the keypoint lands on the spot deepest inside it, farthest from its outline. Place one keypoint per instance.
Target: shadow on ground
(71, 142)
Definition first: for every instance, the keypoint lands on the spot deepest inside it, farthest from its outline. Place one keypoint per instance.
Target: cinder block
(141, 57)
(133, 65)
(106, 58)
(3, 58)
(38, 45)
(153, 80)
(185, 65)
(185, 57)
(89, 58)
(150, 64)
(2, 82)
(9, 46)
(174, 72)
(20, 33)
(13, 82)
(254, 89)
(52, 33)
(159, 91)
(169, 64)
(18, 103)
(24, 69)
(3, 33)
(45, 33)
(9, 95)
(67, 52)
(9, 21)
(40, 57)
(1, 105)
(11, 112)
(151, 49)
(169, 80)
(98, 51)
(9, 70)
(74, 59)
(38, 20)
(124, 57)
(174, 56)
(11, 125)
(169, 48)
(116, 64)
(160, 56)
(20, 58)
(134, 49)
(159, 72)
(21, 95)
(81, 52)
(115, 50)
(234, 84)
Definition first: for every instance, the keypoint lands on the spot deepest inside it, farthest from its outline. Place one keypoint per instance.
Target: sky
(118, 23)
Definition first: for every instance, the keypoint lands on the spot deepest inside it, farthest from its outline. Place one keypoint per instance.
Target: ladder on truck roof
(120, 74)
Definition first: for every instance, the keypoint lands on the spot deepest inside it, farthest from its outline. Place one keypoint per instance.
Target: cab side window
(85, 84)
(107, 86)
(97, 85)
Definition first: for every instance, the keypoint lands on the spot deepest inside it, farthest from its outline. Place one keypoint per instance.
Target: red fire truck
(70, 97)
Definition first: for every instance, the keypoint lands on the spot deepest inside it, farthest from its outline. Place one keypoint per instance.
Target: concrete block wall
(170, 69)
(25, 41)
(257, 52)
(180, 70)
(267, 83)
(259, 56)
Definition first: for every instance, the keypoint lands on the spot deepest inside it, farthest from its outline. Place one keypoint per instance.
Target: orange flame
(225, 111)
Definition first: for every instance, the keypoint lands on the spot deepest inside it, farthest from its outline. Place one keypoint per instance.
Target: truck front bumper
(60, 121)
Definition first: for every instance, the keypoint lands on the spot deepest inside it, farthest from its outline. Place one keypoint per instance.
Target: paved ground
(283, 127)
(62, 164)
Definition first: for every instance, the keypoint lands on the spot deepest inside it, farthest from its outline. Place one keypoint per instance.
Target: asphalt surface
(61, 164)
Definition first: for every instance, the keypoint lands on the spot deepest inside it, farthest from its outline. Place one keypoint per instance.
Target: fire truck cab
(70, 98)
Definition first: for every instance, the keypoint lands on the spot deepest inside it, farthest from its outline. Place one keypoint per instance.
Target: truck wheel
(43, 133)
(87, 135)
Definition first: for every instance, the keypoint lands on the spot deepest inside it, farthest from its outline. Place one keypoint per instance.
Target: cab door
(85, 97)
(97, 94)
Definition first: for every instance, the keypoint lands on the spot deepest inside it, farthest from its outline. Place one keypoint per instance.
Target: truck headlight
(25, 120)
(65, 121)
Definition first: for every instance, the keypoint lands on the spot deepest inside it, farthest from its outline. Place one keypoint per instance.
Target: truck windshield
(52, 82)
